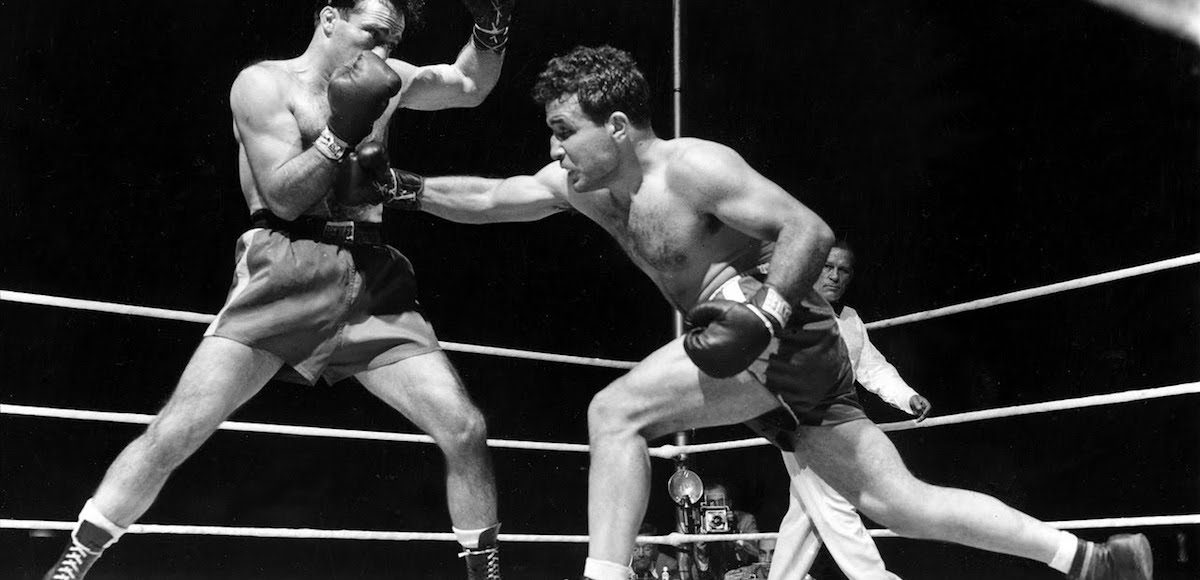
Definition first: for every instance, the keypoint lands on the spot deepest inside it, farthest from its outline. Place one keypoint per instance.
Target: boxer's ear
(618, 125)
(328, 16)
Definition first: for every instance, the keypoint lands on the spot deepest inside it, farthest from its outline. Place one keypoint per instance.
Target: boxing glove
(370, 179)
(358, 95)
(727, 336)
(492, 18)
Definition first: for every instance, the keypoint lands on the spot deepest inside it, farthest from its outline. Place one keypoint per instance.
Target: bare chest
(312, 113)
(656, 228)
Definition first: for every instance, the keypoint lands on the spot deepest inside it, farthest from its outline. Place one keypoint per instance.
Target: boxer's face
(836, 275)
(373, 25)
(586, 150)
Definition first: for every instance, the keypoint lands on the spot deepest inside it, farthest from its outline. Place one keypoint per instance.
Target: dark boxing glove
(492, 18)
(372, 180)
(358, 95)
(727, 336)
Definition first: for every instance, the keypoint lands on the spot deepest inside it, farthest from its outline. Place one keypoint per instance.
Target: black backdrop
(967, 149)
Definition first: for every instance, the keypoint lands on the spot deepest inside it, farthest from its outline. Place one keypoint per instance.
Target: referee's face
(836, 275)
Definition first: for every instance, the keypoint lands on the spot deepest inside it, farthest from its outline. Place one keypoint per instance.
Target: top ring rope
(1037, 292)
(11, 296)
(185, 316)
(667, 451)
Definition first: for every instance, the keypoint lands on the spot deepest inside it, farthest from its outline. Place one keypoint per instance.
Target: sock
(1064, 556)
(473, 539)
(604, 570)
(95, 531)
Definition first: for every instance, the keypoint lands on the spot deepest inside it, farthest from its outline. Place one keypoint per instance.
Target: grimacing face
(836, 275)
(586, 150)
(374, 25)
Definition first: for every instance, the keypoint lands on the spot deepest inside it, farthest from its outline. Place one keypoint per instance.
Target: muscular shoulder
(702, 165)
(266, 80)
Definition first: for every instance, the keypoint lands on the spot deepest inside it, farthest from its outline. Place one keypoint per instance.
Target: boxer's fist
(492, 18)
(366, 177)
(370, 179)
(358, 95)
(727, 336)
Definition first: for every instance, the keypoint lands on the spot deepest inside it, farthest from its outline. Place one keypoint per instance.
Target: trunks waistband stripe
(342, 233)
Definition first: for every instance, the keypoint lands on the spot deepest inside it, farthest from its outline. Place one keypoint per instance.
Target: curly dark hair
(604, 79)
(410, 9)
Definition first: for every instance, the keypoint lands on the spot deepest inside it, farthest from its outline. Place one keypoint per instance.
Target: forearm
(879, 376)
(889, 386)
(480, 71)
(478, 200)
(800, 251)
(460, 199)
(298, 184)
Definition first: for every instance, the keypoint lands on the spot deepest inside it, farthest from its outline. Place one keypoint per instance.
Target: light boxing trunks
(329, 298)
(806, 367)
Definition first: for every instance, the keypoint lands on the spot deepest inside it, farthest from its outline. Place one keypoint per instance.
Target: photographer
(649, 563)
(717, 516)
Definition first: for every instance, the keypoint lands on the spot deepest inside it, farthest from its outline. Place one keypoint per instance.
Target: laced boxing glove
(492, 18)
(372, 180)
(727, 336)
(358, 94)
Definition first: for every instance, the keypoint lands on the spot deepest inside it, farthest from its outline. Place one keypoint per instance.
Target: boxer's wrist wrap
(773, 305)
(491, 29)
(490, 39)
(405, 191)
(331, 146)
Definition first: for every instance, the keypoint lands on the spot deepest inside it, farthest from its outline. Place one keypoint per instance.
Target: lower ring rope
(138, 418)
(673, 539)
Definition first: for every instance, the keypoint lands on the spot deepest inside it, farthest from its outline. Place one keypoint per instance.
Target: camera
(715, 519)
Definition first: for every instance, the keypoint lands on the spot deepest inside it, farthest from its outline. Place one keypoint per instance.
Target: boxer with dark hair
(317, 293)
(739, 255)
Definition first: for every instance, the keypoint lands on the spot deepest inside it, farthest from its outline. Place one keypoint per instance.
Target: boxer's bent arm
(466, 83)
(289, 178)
(482, 200)
(726, 187)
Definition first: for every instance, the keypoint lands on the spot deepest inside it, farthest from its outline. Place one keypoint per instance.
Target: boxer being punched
(739, 255)
(317, 292)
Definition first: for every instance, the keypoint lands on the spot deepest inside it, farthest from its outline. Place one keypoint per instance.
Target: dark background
(967, 149)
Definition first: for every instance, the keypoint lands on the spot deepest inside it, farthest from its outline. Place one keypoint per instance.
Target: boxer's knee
(170, 440)
(907, 507)
(612, 413)
(463, 432)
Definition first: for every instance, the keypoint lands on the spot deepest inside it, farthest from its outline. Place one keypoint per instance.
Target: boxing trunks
(329, 298)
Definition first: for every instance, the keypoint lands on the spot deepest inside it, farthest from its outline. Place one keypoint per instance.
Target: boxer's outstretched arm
(727, 188)
(478, 200)
(289, 178)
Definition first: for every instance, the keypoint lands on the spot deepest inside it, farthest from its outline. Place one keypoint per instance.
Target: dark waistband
(342, 233)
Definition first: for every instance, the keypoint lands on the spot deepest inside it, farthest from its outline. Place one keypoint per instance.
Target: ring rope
(139, 418)
(673, 539)
(664, 451)
(1037, 292)
(967, 417)
(93, 305)
(182, 315)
